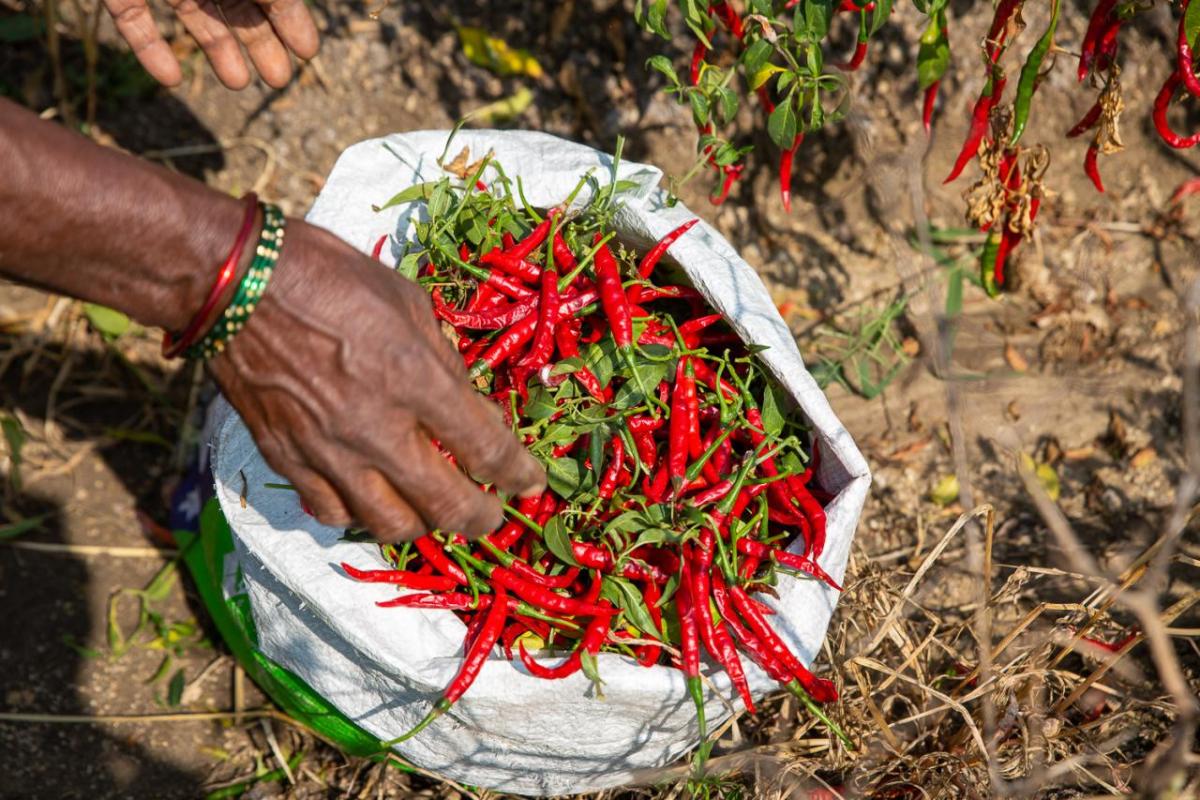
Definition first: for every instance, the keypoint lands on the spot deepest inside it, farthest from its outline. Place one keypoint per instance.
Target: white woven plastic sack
(384, 667)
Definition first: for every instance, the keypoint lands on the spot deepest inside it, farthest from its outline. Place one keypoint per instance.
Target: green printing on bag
(236, 626)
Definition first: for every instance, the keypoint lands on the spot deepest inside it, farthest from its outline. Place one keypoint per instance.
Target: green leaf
(420, 191)
(755, 57)
(630, 600)
(817, 14)
(118, 642)
(883, 10)
(110, 324)
(933, 57)
(558, 540)
(564, 476)
(164, 667)
(700, 107)
(663, 65)
(1191, 26)
(954, 292)
(175, 688)
(12, 530)
(592, 669)
(409, 266)
(772, 417)
(781, 125)
(160, 585)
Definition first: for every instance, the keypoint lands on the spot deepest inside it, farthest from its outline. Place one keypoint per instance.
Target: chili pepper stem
(796, 689)
(696, 689)
(439, 708)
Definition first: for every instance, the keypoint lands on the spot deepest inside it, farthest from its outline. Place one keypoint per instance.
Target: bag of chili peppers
(703, 496)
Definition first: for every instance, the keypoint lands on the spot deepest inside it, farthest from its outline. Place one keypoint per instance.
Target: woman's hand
(268, 29)
(344, 378)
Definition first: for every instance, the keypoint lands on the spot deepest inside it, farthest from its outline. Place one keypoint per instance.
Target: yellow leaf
(503, 109)
(1045, 475)
(945, 491)
(764, 75)
(496, 54)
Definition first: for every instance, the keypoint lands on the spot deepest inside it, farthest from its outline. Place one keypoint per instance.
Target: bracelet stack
(195, 341)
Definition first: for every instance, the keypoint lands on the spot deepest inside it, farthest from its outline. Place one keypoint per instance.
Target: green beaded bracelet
(251, 288)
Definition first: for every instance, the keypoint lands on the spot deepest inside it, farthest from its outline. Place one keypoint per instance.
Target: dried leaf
(1015, 360)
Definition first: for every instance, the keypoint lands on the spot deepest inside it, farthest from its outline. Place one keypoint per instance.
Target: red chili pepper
(655, 488)
(523, 248)
(1091, 39)
(517, 267)
(608, 482)
(689, 644)
(431, 550)
(613, 299)
(725, 13)
(541, 597)
(731, 173)
(1087, 123)
(758, 651)
(931, 93)
(450, 601)
(1163, 102)
(472, 664)
(543, 339)
(648, 654)
(563, 257)
(1186, 189)
(648, 294)
(377, 251)
(512, 530)
(1187, 71)
(821, 690)
(683, 400)
(1091, 169)
(697, 61)
(753, 547)
(566, 336)
(999, 29)
(409, 580)
(655, 254)
(501, 282)
(702, 556)
(856, 60)
(785, 167)
(979, 125)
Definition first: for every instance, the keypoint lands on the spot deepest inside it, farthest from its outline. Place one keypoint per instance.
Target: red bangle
(174, 344)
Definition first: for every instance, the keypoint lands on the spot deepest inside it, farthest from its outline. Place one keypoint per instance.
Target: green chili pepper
(987, 263)
(1030, 74)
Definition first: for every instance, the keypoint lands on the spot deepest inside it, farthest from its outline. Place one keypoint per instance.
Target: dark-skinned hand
(268, 29)
(344, 377)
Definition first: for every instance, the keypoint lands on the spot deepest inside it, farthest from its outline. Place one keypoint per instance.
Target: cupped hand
(344, 379)
(268, 29)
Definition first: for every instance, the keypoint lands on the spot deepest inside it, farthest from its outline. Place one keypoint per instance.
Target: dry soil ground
(1079, 367)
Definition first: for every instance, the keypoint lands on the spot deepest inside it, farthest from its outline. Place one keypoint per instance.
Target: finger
(320, 498)
(377, 505)
(294, 24)
(250, 26)
(204, 23)
(473, 429)
(135, 23)
(444, 497)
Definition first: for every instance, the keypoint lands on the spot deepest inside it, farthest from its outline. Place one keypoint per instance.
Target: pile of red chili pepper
(677, 480)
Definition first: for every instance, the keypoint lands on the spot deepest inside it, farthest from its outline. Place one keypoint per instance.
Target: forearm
(97, 224)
